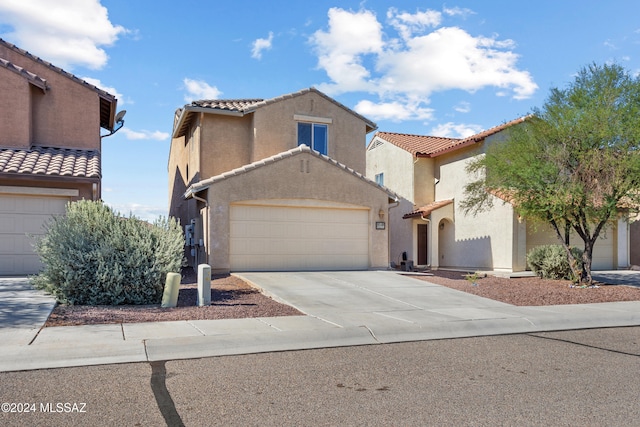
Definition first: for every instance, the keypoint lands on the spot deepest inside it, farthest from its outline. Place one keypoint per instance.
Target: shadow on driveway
(22, 306)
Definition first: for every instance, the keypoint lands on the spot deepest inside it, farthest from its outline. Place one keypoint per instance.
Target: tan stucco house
(430, 227)
(50, 146)
(276, 184)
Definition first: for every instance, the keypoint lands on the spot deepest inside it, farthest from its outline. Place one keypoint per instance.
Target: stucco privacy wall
(275, 128)
(302, 176)
(486, 240)
(394, 162)
(68, 112)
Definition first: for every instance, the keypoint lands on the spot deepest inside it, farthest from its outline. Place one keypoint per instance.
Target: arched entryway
(446, 239)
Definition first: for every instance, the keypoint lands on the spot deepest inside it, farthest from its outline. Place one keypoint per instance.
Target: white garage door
(20, 217)
(286, 238)
(603, 251)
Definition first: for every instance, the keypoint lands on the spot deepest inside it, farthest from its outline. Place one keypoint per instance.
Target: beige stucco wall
(288, 179)
(67, 115)
(396, 164)
(275, 130)
(484, 241)
(225, 143)
(413, 180)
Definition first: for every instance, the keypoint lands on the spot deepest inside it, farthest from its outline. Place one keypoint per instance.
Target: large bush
(94, 256)
(550, 262)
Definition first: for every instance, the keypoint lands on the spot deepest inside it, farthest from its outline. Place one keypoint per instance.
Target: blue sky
(422, 67)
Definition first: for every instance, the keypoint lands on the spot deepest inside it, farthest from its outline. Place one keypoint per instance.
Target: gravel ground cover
(232, 298)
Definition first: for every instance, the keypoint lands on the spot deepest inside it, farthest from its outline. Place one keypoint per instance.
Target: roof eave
(179, 130)
(450, 149)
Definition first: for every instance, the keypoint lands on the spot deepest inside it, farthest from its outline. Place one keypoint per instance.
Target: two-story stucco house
(276, 184)
(50, 146)
(429, 174)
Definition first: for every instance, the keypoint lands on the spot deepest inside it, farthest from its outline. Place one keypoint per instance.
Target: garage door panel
(297, 238)
(603, 250)
(21, 218)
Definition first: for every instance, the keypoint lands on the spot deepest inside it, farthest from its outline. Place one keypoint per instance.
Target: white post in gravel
(204, 285)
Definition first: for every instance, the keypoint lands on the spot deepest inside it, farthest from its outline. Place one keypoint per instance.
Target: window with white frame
(314, 135)
(380, 178)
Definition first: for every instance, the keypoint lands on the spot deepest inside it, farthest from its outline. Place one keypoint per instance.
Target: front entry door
(422, 244)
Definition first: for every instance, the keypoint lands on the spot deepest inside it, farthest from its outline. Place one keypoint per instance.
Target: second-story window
(380, 179)
(314, 135)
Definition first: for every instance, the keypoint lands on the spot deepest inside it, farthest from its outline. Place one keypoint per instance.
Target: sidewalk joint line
(268, 324)
(196, 328)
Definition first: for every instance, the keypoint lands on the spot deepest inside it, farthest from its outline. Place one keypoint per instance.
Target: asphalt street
(581, 377)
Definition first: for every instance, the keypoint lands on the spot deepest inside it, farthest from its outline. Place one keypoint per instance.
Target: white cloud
(404, 72)
(199, 89)
(463, 107)
(458, 11)
(261, 44)
(395, 111)
(455, 130)
(144, 134)
(340, 50)
(144, 212)
(407, 24)
(67, 33)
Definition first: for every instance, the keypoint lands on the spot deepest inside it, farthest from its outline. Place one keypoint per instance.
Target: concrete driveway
(395, 307)
(23, 310)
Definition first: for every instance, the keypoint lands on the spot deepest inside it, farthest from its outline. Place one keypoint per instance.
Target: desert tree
(574, 163)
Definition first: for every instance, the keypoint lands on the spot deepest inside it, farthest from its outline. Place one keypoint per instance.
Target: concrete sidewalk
(342, 309)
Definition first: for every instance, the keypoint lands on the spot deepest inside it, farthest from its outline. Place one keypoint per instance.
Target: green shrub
(550, 262)
(94, 256)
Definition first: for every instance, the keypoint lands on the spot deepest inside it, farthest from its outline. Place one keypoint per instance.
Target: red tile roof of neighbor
(427, 209)
(433, 146)
(50, 162)
(418, 144)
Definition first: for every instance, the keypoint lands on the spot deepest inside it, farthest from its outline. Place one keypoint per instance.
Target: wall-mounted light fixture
(381, 214)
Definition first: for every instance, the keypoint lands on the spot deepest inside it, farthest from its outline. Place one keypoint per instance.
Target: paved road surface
(584, 377)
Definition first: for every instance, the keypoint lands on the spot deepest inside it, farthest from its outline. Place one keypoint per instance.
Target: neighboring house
(276, 184)
(429, 175)
(50, 146)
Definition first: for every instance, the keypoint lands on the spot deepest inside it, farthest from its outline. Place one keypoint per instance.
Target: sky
(435, 68)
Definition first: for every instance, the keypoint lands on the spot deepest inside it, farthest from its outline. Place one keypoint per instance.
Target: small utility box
(204, 285)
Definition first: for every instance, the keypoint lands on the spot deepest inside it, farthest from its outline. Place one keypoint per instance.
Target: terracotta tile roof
(205, 183)
(31, 77)
(433, 146)
(487, 133)
(50, 162)
(427, 209)
(418, 144)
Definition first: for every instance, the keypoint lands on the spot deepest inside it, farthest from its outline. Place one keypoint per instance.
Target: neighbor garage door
(286, 238)
(603, 251)
(20, 217)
